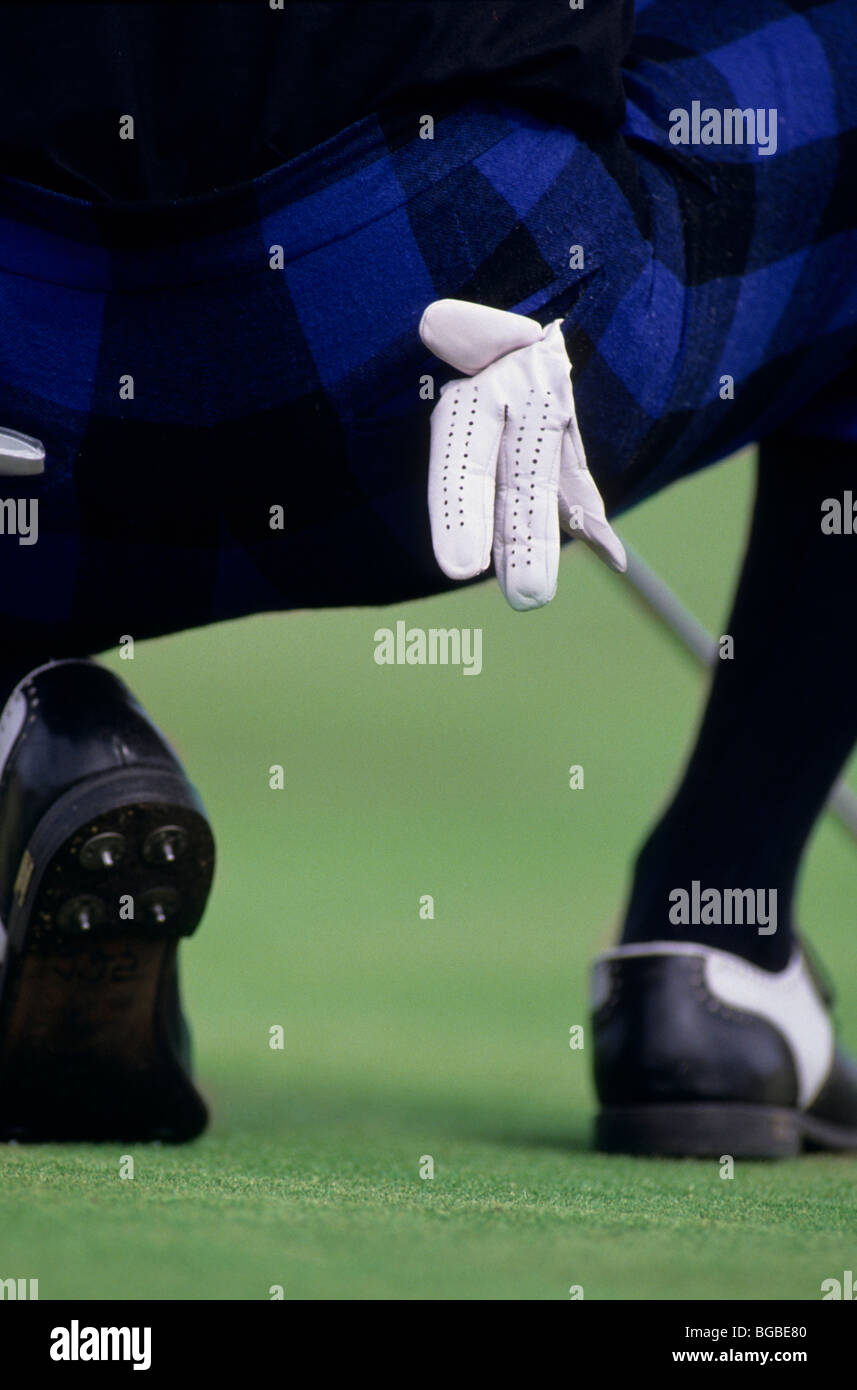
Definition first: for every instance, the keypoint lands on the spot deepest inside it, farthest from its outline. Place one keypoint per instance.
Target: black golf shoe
(106, 860)
(698, 1052)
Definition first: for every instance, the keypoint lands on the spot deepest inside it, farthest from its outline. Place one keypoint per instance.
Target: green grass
(449, 1037)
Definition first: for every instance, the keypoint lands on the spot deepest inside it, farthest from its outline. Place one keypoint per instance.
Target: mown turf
(406, 1038)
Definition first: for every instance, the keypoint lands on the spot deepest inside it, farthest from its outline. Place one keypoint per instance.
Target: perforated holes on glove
(450, 440)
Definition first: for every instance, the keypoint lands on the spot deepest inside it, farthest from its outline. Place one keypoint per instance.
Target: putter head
(20, 455)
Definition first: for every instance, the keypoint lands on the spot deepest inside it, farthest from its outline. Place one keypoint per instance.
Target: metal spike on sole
(160, 904)
(102, 851)
(165, 844)
(80, 915)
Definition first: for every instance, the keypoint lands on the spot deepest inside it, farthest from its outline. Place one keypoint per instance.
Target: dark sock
(781, 717)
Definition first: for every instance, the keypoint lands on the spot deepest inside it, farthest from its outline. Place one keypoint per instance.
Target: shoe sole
(714, 1131)
(89, 981)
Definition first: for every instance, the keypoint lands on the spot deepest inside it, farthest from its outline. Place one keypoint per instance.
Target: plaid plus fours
(191, 366)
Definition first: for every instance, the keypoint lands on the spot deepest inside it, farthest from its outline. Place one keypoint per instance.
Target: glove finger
(581, 508)
(526, 524)
(466, 425)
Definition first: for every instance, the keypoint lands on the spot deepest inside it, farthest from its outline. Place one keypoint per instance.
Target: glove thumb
(472, 336)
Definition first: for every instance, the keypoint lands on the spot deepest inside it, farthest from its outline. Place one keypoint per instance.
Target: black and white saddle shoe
(698, 1052)
(106, 860)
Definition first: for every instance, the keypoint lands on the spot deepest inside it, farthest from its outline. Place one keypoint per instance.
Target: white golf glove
(507, 465)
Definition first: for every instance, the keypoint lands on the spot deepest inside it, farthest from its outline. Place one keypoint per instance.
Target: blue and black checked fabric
(300, 386)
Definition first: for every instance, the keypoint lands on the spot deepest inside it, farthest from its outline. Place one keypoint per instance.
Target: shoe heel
(699, 1131)
(90, 1043)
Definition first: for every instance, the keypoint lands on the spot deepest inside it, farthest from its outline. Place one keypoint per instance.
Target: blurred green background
(448, 1038)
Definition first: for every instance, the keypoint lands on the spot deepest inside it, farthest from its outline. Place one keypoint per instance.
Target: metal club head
(20, 454)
